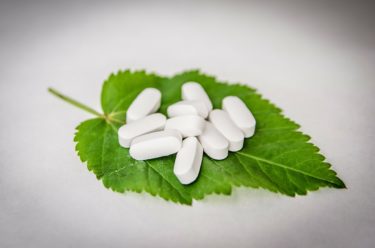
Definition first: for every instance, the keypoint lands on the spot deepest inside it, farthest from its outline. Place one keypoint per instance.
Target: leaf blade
(278, 158)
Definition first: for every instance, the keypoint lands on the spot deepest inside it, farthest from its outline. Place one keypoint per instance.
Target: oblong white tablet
(187, 125)
(188, 108)
(224, 124)
(150, 123)
(240, 114)
(214, 144)
(147, 102)
(155, 145)
(188, 161)
(194, 91)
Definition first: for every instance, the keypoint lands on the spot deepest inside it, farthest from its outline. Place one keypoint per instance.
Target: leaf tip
(340, 184)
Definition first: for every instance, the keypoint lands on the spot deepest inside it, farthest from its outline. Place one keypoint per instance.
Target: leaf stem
(74, 102)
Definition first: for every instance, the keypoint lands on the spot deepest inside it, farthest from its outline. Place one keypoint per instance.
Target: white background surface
(315, 60)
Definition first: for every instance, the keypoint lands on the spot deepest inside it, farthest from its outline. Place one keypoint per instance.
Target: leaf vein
(285, 167)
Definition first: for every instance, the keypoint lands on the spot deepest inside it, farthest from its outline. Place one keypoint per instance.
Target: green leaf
(278, 157)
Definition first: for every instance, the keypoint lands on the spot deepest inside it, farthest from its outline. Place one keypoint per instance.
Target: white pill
(214, 144)
(194, 91)
(155, 145)
(187, 125)
(148, 124)
(240, 114)
(188, 108)
(147, 102)
(224, 124)
(188, 161)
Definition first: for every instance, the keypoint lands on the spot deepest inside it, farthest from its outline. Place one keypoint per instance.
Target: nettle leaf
(278, 157)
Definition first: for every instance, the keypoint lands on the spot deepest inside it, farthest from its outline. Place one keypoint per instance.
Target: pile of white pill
(186, 132)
